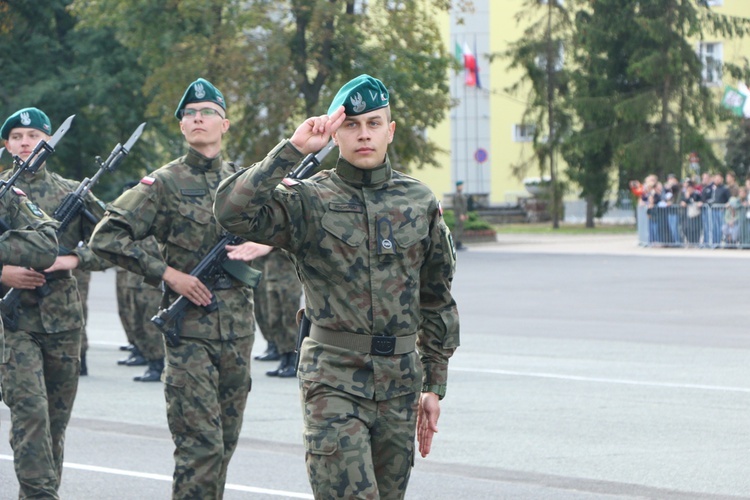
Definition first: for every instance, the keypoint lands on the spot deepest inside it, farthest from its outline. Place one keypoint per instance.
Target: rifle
(212, 266)
(308, 163)
(9, 304)
(38, 156)
(211, 270)
(71, 207)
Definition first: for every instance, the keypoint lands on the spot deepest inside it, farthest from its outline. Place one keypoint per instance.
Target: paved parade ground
(589, 368)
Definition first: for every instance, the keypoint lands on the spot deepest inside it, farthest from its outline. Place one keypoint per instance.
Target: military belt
(377, 345)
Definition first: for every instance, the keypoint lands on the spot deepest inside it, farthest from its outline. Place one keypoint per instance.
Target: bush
(475, 222)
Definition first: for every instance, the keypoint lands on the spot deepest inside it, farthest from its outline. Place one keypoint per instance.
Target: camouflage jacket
(61, 310)
(279, 271)
(374, 256)
(30, 240)
(173, 204)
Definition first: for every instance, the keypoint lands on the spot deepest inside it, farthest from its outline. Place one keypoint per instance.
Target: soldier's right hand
(188, 286)
(313, 134)
(22, 278)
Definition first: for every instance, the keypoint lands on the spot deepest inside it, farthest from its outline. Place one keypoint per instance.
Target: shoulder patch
(440, 209)
(34, 209)
(18, 191)
(288, 181)
(148, 180)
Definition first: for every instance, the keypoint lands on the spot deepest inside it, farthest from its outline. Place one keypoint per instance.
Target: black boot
(286, 366)
(271, 354)
(153, 372)
(290, 370)
(84, 369)
(134, 359)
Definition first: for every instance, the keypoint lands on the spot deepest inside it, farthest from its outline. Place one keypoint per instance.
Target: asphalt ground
(590, 368)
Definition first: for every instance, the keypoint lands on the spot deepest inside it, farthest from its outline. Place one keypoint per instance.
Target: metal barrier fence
(704, 227)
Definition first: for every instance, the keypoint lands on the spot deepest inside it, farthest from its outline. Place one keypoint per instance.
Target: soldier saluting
(376, 262)
(207, 376)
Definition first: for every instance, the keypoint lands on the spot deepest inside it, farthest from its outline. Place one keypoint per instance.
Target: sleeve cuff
(437, 389)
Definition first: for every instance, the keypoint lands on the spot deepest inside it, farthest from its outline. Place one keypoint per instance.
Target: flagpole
(477, 165)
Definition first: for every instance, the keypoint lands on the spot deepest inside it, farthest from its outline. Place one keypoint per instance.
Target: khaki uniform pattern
(137, 303)
(375, 258)
(460, 208)
(207, 378)
(40, 373)
(283, 292)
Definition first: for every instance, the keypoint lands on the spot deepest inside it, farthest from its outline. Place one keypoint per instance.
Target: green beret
(459, 183)
(360, 95)
(26, 118)
(200, 90)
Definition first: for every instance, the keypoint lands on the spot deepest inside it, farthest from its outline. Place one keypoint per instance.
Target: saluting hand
(21, 278)
(314, 133)
(247, 251)
(427, 418)
(188, 286)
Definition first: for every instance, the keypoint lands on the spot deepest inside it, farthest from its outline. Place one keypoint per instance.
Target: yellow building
(485, 133)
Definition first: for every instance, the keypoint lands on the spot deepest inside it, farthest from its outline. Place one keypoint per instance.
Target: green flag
(733, 100)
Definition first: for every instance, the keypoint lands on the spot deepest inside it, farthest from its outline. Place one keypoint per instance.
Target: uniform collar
(40, 174)
(364, 178)
(196, 160)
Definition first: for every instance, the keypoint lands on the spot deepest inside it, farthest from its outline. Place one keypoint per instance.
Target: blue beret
(360, 95)
(200, 90)
(27, 118)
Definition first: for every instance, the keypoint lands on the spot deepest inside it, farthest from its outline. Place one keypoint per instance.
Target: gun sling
(377, 345)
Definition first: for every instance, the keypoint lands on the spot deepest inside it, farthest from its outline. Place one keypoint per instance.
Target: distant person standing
(461, 214)
(283, 293)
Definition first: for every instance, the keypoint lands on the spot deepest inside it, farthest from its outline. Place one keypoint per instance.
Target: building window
(523, 132)
(395, 5)
(714, 3)
(557, 2)
(711, 58)
(541, 59)
(359, 7)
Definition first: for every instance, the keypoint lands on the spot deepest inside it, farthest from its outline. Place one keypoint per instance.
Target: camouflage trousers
(355, 447)
(136, 307)
(282, 303)
(206, 388)
(83, 279)
(39, 375)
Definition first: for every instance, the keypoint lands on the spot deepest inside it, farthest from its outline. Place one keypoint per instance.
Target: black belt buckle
(383, 345)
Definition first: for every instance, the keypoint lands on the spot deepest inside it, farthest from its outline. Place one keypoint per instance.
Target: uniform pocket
(337, 255)
(321, 441)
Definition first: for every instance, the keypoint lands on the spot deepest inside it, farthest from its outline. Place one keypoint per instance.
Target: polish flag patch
(148, 180)
(18, 191)
(288, 181)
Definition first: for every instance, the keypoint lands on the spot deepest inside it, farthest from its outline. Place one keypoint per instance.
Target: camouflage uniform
(375, 258)
(137, 303)
(83, 280)
(460, 209)
(48, 342)
(207, 377)
(260, 300)
(283, 292)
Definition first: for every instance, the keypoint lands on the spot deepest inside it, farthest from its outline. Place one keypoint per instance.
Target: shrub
(475, 222)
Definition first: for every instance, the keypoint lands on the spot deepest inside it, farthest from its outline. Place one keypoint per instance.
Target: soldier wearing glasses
(207, 376)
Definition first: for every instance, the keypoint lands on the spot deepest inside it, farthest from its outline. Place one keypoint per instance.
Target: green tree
(49, 64)
(737, 156)
(279, 61)
(540, 54)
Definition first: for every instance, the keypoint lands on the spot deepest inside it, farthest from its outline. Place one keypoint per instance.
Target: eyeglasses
(205, 112)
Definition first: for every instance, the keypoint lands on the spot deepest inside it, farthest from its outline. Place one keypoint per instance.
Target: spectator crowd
(709, 211)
